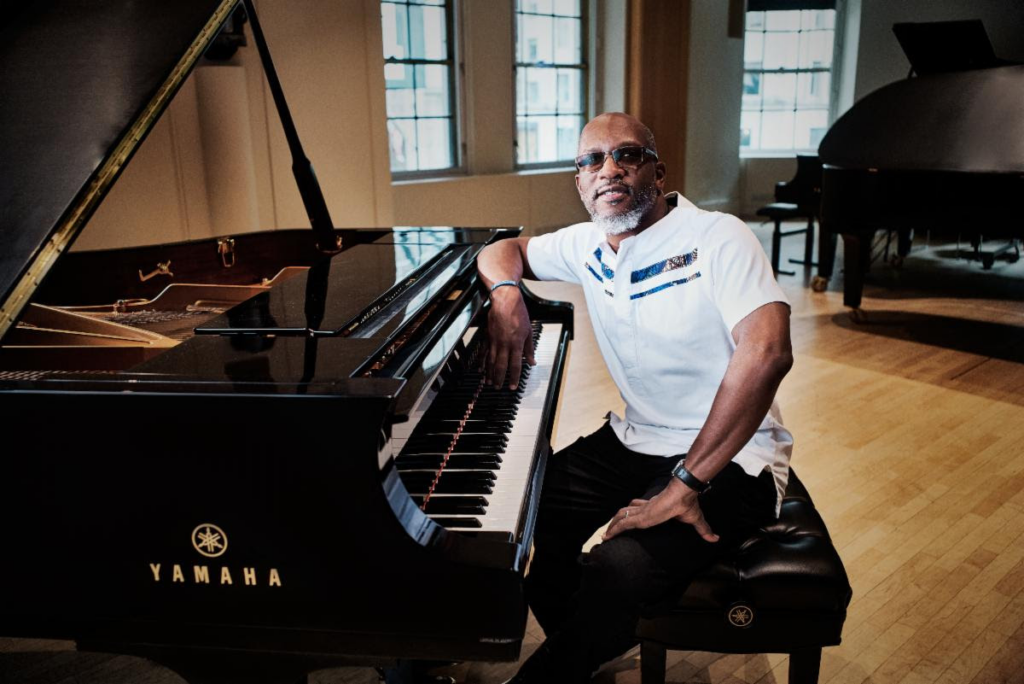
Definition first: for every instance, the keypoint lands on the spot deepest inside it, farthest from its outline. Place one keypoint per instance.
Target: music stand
(942, 46)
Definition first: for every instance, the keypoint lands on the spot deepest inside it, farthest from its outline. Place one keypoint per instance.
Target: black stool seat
(782, 211)
(784, 590)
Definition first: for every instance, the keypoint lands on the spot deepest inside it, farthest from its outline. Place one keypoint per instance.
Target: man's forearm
(502, 260)
(743, 399)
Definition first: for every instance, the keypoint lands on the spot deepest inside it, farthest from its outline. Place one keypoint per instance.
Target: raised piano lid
(82, 83)
(968, 121)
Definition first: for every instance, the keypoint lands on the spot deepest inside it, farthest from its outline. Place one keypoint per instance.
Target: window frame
(585, 66)
(456, 94)
(834, 71)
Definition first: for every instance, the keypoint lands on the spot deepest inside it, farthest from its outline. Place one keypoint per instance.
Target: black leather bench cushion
(788, 565)
(781, 210)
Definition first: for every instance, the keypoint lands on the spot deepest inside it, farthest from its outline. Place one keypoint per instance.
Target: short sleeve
(553, 256)
(742, 278)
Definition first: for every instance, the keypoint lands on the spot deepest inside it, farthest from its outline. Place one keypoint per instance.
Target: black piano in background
(942, 152)
(285, 460)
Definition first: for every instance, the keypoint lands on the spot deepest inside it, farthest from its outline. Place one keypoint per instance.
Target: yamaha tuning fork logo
(212, 542)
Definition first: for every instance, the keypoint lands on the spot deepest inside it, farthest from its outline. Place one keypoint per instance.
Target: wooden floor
(909, 430)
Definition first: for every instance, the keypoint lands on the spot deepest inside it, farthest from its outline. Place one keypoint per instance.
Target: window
(787, 79)
(419, 78)
(551, 77)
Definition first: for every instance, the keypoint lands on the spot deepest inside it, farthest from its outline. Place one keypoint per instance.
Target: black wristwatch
(689, 479)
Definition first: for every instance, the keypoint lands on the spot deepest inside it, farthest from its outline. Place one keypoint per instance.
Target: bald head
(618, 125)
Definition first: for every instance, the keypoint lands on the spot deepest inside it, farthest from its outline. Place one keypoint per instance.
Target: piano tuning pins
(226, 250)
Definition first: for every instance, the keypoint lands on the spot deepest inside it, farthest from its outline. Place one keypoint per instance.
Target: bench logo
(209, 540)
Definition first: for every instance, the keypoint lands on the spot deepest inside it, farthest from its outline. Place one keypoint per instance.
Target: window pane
(818, 19)
(813, 89)
(525, 147)
(750, 130)
(569, 128)
(434, 143)
(427, 33)
(432, 90)
(753, 51)
(394, 19)
(816, 49)
(541, 91)
(755, 21)
(777, 131)
(402, 143)
(521, 91)
(536, 39)
(538, 6)
(752, 91)
(544, 134)
(570, 92)
(781, 50)
(810, 128)
(779, 91)
(567, 8)
(782, 21)
(400, 101)
(568, 49)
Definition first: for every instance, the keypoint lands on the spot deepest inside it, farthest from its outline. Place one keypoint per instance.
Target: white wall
(217, 162)
(713, 104)
(881, 60)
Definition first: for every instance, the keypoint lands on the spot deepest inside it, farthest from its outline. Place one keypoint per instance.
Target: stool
(784, 590)
(779, 212)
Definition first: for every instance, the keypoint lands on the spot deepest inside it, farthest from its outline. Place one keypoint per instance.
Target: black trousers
(589, 604)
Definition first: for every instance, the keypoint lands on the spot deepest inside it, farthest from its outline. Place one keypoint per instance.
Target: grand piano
(264, 468)
(941, 152)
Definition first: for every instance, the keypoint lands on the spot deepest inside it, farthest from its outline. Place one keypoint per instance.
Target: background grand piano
(287, 462)
(943, 152)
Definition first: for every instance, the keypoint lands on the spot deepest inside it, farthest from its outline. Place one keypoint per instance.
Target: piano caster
(858, 316)
(896, 261)
(819, 284)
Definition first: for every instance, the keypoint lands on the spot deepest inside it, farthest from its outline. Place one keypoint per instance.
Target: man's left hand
(675, 501)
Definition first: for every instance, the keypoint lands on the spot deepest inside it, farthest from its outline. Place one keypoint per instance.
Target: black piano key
(446, 486)
(455, 461)
(465, 442)
(458, 476)
(444, 521)
(458, 505)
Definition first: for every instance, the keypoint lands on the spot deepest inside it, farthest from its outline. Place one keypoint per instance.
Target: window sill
(774, 154)
(457, 176)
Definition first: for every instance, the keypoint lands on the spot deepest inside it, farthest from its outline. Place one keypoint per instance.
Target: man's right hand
(510, 338)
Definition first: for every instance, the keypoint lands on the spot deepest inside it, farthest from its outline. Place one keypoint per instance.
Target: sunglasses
(630, 157)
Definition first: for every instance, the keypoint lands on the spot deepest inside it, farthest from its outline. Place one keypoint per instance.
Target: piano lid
(82, 83)
(967, 121)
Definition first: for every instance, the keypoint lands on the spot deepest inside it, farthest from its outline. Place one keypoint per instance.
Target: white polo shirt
(663, 309)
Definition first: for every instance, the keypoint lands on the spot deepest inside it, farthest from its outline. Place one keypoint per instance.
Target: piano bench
(782, 211)
(784, 590)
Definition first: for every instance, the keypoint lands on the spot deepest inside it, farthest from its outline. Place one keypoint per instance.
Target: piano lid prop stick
(302, 168)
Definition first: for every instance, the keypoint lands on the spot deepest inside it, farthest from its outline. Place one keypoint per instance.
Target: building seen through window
(551, 77)
(787, 79)
(420, 86)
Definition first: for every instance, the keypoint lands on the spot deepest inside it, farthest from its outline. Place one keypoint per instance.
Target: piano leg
(854, 266)
(826, 257)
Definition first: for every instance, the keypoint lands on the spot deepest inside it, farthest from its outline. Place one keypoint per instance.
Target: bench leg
(652, 663)
(777, 249)
(804, 665)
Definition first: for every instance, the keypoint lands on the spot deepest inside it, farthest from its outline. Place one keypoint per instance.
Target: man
(695, 332)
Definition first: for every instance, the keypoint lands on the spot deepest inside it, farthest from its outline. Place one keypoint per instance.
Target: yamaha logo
(209, 540)
(741, 615)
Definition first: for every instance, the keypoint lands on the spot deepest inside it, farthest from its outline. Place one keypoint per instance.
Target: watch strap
(689, 479)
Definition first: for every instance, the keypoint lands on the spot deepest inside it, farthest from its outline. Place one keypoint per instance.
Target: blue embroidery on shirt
(594, 273)
(669, 264)
(638, 295)
(608, 273)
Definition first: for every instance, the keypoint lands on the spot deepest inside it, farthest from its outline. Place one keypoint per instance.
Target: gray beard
(623, 223)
